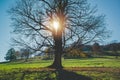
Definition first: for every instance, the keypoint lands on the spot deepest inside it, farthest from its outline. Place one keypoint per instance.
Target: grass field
(85, 62)
(106, 68)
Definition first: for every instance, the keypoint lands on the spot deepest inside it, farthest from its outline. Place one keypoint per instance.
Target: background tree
(56, 23)
(49, 53)
(18, 54)
(115, 47)
(96, 48)
(25, 53)
(10, 55)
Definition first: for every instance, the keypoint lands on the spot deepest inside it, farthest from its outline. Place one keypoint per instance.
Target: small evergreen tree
(10, 55)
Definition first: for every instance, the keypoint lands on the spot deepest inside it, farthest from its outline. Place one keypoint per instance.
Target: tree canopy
(78, 22)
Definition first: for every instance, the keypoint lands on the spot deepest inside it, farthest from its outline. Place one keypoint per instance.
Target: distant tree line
(80, 51)
(112, 49)
(13, 55)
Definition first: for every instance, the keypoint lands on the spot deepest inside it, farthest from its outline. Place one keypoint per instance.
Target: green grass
(106, 68)
(25, 65)
(85, 62)
(92, 62)
(83, 74)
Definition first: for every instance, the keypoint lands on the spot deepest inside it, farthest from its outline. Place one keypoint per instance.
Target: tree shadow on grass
(69, 75)
(60, 74)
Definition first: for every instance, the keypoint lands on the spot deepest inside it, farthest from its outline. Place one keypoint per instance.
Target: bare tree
(25, 53)
(56, 23)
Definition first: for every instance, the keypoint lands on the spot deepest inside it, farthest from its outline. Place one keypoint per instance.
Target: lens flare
(56, 25)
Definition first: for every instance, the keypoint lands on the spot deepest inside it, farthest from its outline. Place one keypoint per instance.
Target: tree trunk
(57, 63)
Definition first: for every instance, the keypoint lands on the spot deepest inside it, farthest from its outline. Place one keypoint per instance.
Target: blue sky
(4, 27)
(111, 8)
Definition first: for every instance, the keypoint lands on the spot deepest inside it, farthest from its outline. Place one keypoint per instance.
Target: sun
(56, 25)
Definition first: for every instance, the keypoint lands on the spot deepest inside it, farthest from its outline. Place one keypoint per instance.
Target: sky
(111, 8)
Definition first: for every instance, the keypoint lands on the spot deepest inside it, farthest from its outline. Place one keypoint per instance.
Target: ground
(104, 68)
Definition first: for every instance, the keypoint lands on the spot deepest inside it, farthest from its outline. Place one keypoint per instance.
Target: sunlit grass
(25, 65)
(85, 62)
(107, 68)
(92, 62)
